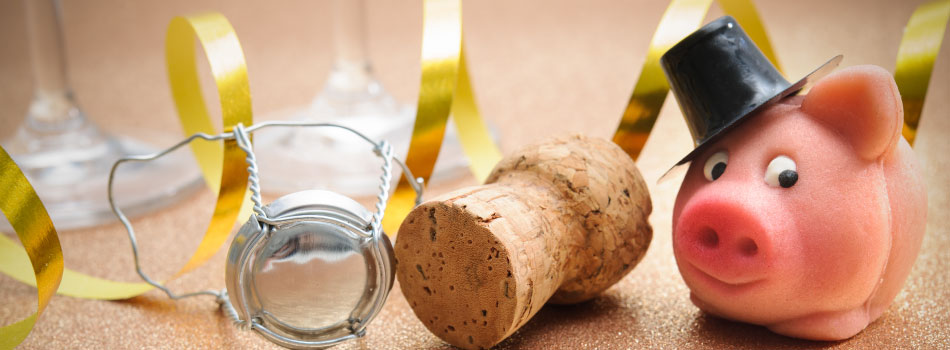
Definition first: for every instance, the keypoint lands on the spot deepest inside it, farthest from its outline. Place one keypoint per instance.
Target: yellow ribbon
(915, 59)
(224, 54)
(445, 88)
(13, 262)
(32, 224)
(681, 18)
(223, 167)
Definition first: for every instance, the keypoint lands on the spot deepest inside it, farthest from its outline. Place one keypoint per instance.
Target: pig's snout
(724, 241)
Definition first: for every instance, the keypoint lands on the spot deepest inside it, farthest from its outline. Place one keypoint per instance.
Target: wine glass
(306, 158)
(67, 158)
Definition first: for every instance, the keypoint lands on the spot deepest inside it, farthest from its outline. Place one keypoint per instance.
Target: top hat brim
(812, 77)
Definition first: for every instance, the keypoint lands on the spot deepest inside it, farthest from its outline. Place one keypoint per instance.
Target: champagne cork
(559, 221)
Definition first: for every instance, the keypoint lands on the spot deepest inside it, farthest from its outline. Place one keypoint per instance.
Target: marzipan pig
(806, 217)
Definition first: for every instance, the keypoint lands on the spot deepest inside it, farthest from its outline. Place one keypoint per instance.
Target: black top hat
(719, 78)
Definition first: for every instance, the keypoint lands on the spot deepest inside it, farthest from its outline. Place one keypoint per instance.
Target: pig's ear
(863, 105)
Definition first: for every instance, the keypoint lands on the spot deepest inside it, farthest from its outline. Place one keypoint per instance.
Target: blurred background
(563, 61)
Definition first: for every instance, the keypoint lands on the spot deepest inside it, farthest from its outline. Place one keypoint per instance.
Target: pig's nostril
(748, 247)
(708, 238)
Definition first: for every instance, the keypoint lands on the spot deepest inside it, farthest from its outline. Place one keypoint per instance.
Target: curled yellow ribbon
(681, 18)
(445, 88)
(32, 224)
(915, 59)
(223, 167)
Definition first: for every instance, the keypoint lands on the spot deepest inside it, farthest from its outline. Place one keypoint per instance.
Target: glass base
(296, 159)
(70, 172)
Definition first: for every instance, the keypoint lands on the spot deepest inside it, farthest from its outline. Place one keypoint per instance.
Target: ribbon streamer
(445, 88)
(915, 60)
(32, 224)
(681, 18)
(223, 167)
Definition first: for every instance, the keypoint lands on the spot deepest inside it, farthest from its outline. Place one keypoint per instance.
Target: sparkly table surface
(539, 67)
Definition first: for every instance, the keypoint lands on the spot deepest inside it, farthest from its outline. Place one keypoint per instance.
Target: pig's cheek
(843, 250)
(692, 182)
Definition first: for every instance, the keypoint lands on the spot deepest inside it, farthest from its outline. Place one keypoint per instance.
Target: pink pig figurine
(803, 214)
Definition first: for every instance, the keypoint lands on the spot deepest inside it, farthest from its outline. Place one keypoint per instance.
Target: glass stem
(53, 107)
(351, 69)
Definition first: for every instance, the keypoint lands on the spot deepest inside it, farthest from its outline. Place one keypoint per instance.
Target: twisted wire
(244, 143)
(230, 312)
(384, 150)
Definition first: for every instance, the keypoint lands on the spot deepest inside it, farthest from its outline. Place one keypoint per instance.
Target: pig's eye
(781, 172)
(716, 165)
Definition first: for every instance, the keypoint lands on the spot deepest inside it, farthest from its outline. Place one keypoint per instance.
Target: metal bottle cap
(312, 275)
(311, 269)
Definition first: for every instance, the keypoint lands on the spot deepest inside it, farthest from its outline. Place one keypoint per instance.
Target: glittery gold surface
(537, 70)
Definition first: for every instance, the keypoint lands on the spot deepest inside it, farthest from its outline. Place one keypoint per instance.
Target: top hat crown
(720, 77)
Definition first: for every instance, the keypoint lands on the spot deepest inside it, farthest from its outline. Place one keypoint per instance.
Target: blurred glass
(309, 158)
(67, 158)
